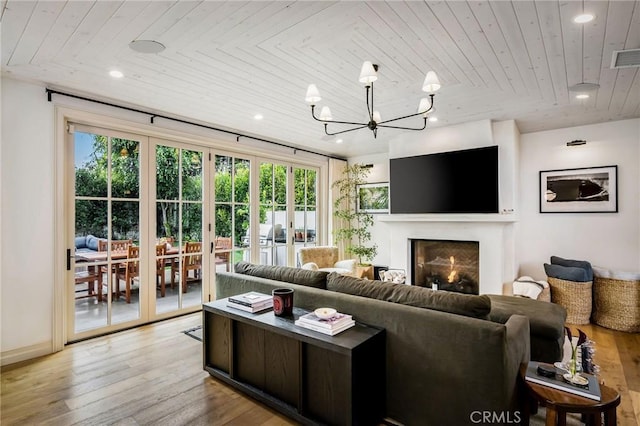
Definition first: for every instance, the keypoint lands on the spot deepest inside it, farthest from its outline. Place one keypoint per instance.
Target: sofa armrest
(349, 264)
(518, 349)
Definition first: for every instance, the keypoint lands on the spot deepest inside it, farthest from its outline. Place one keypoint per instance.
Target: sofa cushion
(317, 279)
(81, 242)
(92, 242)
(555, 260)
(444, 301)
(567, 273)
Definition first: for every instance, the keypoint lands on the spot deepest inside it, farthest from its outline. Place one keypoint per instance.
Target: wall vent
(625, 58)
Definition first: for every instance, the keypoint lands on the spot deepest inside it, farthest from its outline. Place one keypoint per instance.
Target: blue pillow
(567, 273)
(92, 242)
(81, 242)
(555, 260)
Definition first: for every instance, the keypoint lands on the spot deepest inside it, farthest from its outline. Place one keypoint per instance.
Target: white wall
(609, 240)
(27, 215)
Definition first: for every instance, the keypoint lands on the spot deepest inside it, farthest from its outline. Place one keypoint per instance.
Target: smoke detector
(626, 58)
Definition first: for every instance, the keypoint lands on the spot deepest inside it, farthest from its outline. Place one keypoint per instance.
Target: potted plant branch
(355, 224)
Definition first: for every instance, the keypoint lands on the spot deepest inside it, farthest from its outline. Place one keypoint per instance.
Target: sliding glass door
(179, 245)
(105, 256)
(150, 221)
(232, 211)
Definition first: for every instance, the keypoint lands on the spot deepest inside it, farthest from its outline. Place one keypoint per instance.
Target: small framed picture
(583, 190)
(373, 198)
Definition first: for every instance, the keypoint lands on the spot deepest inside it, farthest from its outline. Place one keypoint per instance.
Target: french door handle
(69, 259)
(211, 248)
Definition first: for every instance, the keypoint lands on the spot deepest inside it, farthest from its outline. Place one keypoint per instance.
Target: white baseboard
(24, 353)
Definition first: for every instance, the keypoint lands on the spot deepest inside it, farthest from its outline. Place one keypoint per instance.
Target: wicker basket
(616, 304)
(545, 295)
(575, 297)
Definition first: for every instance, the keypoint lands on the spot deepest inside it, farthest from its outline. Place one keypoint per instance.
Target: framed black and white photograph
(373, 197)
(583, 190)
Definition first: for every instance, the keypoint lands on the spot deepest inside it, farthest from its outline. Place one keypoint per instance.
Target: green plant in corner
(355, 230)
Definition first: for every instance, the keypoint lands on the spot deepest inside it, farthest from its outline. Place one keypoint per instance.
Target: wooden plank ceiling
(226, 61)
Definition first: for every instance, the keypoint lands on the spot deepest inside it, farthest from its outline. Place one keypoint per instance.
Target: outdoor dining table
(95, 259)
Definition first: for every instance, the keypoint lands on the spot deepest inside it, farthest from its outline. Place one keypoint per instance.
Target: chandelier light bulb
(431, 83)
(376, 116)
(313, 95)
(325, 114)
(367, 73)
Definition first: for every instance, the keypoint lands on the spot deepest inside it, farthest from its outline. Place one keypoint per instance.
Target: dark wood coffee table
(308, 376)
(559, 403)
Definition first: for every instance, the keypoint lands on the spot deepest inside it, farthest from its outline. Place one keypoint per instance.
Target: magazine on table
(252, 309)
(335, 321)
(330, 331)
(251, 298)
(590, 390)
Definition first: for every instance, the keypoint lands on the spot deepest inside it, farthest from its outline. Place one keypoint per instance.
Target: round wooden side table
(559, 403)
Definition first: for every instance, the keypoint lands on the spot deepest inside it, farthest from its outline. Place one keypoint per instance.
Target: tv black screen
(448, 182)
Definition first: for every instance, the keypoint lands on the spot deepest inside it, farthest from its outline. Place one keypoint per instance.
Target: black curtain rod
(153, 116)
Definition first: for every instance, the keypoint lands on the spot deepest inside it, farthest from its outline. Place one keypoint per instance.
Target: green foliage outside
(232, 192)
(355, 232)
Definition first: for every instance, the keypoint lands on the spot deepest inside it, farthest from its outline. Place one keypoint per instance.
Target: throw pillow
(421, 297)
(555, 260)
(567, 273)
(317, 279)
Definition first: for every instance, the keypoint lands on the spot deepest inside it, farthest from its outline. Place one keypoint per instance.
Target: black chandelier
(368, 74)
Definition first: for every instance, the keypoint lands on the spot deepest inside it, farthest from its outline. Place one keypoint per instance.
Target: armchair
(325, 258)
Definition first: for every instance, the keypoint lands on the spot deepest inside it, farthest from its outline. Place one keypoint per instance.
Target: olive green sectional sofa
(446, 360)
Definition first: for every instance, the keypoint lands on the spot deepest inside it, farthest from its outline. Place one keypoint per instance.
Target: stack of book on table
(251, 302)
(331, 326)
(590, 389)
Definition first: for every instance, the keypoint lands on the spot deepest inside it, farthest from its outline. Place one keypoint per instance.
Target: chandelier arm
(333, 121)
(370, 108)
(343, 131)
(410, 115)
(405, 128)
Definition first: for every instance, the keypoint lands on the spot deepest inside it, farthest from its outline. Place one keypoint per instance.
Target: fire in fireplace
(446, 265)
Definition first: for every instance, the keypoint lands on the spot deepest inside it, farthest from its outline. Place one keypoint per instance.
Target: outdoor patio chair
(192, 262)
(223, 257)
(128, 272)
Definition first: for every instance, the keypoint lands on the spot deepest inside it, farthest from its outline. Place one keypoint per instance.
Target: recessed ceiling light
(339, 141)
(146, 46)
(116, 74)
(582, 96)
(433, 119)
(258, 117)
(583, 19)
(584, 87)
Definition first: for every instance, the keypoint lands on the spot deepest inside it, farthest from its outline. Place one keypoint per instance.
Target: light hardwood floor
(153, 375)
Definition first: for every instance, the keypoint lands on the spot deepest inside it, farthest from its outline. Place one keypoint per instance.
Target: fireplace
(446, 265)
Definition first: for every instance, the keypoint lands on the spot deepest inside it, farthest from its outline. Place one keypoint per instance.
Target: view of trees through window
(108, 174)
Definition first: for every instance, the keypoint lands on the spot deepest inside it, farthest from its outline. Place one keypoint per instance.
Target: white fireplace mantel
(494, 232)
(448, 218)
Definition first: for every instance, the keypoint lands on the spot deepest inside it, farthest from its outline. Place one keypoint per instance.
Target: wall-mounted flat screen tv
(448, 182)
